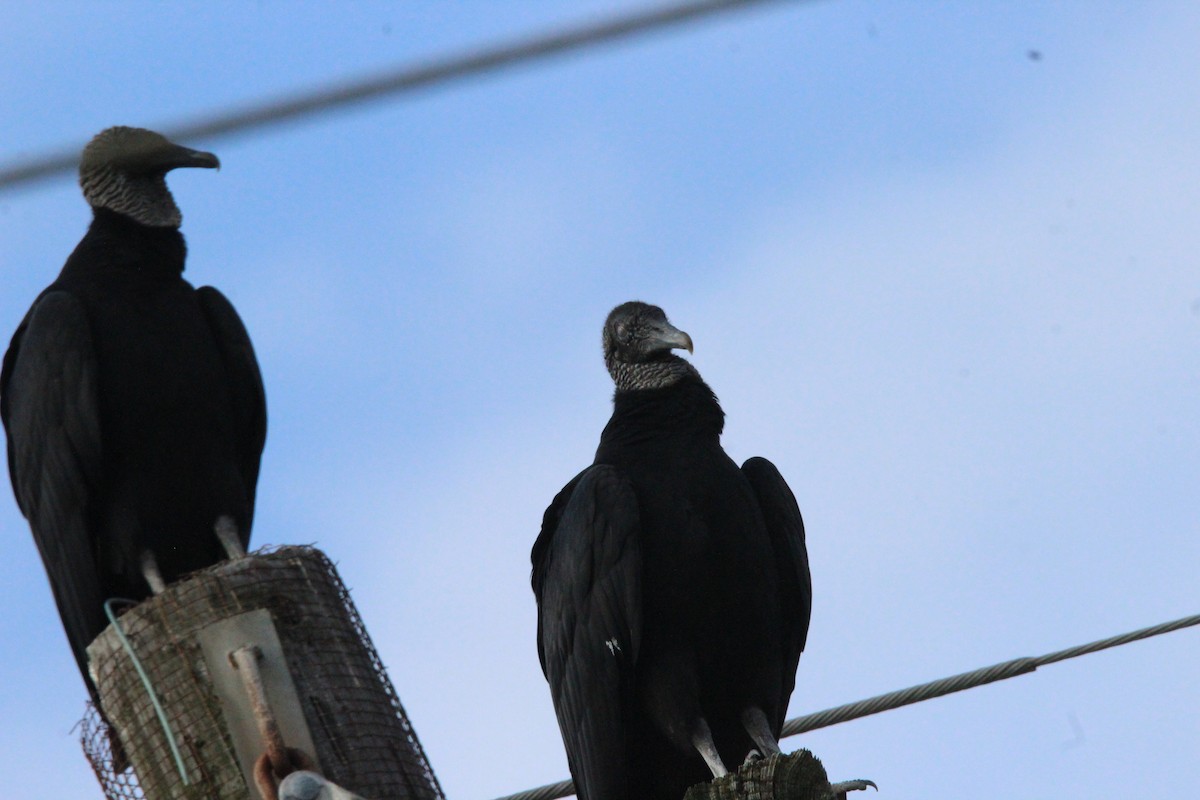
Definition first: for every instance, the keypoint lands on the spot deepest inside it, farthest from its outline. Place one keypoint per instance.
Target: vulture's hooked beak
(165, 156)
(668, 337)
(179, 156)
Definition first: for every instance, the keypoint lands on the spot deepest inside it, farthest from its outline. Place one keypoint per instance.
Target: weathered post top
(339, 694)
(787, 776)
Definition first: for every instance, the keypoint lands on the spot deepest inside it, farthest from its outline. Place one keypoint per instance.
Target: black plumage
(132, 402)
(673, 586)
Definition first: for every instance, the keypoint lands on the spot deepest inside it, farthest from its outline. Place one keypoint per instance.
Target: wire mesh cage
(97, 748)
(360, 731)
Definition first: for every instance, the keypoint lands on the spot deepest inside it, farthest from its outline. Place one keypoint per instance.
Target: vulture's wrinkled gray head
(124, 170)
(638, 341)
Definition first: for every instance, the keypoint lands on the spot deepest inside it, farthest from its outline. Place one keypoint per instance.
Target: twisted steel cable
(919, 693)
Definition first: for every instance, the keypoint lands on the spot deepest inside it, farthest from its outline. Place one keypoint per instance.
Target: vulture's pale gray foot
(152, 574)
(227, 532)
(755, 723)
(703, 742)
(752, 756)
(840, 789)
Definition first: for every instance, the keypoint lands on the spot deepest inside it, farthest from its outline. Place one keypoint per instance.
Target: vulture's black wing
(587, 579)
(786, 528)
(48, 401)
(245, 386)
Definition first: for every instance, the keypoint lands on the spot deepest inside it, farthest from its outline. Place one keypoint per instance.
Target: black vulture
(132, 401)
(673, 587)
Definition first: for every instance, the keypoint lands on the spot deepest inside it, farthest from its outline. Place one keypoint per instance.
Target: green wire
(137, 663)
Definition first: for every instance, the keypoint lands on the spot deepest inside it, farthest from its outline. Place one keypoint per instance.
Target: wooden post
(341, 703)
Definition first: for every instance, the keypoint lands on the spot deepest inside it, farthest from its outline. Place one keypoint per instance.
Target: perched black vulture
(132, 401)
(673, 587)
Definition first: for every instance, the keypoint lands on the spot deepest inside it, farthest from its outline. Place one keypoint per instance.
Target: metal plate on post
(220, 639)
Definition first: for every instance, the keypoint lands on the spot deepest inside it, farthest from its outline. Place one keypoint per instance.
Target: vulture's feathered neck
(117, 241)
(684, 404)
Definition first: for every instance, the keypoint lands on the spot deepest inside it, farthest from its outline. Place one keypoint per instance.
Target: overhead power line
(969, 680)
(405, 79)
(916, 694)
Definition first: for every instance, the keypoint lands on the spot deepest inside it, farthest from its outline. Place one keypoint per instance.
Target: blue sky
(950, 289)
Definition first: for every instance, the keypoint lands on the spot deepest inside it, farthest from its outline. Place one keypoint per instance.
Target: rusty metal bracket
(257, 695)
